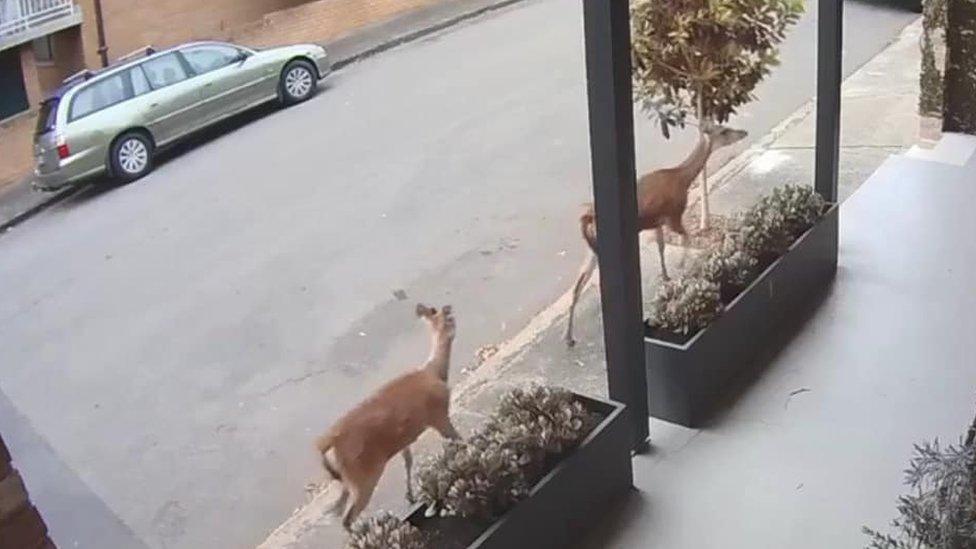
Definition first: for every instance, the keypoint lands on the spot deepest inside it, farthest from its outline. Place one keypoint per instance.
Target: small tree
(704, 58)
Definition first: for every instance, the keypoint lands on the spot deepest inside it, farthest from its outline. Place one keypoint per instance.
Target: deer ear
(446, 310)
(424, 311)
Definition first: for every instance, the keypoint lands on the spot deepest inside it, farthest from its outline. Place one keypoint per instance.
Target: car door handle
(153, 105)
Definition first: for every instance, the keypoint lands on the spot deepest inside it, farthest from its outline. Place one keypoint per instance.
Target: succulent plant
(494, 469)
(385, 531)
(685, 305)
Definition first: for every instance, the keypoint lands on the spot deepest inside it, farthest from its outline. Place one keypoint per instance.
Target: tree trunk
(960, 75)
(705, 212)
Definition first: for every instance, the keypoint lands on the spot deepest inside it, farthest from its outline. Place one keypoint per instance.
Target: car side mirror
(242, 57)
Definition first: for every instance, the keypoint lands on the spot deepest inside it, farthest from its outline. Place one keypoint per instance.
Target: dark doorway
(13, 96)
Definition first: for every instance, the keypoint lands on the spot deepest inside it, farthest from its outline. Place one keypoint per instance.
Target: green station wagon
(113, 121)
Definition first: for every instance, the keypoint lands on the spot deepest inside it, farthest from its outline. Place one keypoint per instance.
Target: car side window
(140, 84)
(203, 59)
(100, 95)
(165, 70)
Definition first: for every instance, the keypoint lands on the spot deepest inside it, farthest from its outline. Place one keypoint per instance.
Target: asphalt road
(169, 348)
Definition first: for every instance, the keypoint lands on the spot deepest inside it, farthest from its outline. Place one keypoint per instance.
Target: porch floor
(816, 446)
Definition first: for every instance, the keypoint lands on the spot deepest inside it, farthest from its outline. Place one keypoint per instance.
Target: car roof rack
(144, 51)
(80, 76)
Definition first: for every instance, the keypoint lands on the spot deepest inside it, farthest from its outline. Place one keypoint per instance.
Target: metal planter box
(687, 382)
(563, 504)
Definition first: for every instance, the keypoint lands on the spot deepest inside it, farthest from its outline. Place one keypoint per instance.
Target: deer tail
(323, 444)
(588, 227)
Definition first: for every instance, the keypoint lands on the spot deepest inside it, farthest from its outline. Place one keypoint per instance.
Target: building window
(43, 50)
(13, 94)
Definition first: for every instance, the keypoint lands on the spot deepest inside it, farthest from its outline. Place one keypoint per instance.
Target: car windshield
(47, 115)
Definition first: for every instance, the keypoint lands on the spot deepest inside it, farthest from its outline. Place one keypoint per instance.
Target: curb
(36, 208)
(408, 27)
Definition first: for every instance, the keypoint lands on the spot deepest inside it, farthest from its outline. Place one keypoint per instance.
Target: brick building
(21, 525)
(43, 41)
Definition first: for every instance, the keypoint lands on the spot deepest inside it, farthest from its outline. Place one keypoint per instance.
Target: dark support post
(608, 80)
(100, 29)
(830, 26)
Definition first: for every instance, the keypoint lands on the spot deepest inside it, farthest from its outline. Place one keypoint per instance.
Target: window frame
(194, 73)
(190, 73)
(149, 86)
(47, 42)
(127, 91)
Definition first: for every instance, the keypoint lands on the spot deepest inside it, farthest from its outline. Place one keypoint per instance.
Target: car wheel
(298, 82)
(132, 156)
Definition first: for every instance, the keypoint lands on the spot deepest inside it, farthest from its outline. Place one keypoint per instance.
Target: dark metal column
(830, 27)
(100, 29)
(608, 81)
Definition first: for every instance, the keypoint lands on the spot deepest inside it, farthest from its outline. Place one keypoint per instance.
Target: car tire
(131, 156)
(298, 82)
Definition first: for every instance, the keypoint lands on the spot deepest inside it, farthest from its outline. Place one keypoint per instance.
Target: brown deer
(662, 197)
(358, 446)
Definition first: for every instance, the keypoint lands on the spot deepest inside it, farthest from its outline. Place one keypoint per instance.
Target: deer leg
(408, 462)
(360, 498)
(586, 271)
(337, 507)
(685, 245)
(446, 428)
(677, 226)
(659, 233)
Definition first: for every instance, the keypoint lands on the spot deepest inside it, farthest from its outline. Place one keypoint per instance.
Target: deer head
(441, 322)
(723, 136)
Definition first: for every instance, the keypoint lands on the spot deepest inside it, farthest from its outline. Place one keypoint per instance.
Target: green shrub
(727, 264)
(476, 478)
(538, 422)
(939, 512)
(685, 305)
(771, 226)
(764, 232)
(385, 531)
(801, 207)
(490, 472)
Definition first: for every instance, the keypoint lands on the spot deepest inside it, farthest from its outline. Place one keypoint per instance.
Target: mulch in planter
(460, 532)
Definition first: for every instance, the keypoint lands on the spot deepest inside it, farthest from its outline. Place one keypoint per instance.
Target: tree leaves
(718, 49)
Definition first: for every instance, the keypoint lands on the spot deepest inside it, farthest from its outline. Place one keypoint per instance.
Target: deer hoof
(411, 499)
(570, 342)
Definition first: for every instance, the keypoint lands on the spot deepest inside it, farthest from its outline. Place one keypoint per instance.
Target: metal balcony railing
(24, 16)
